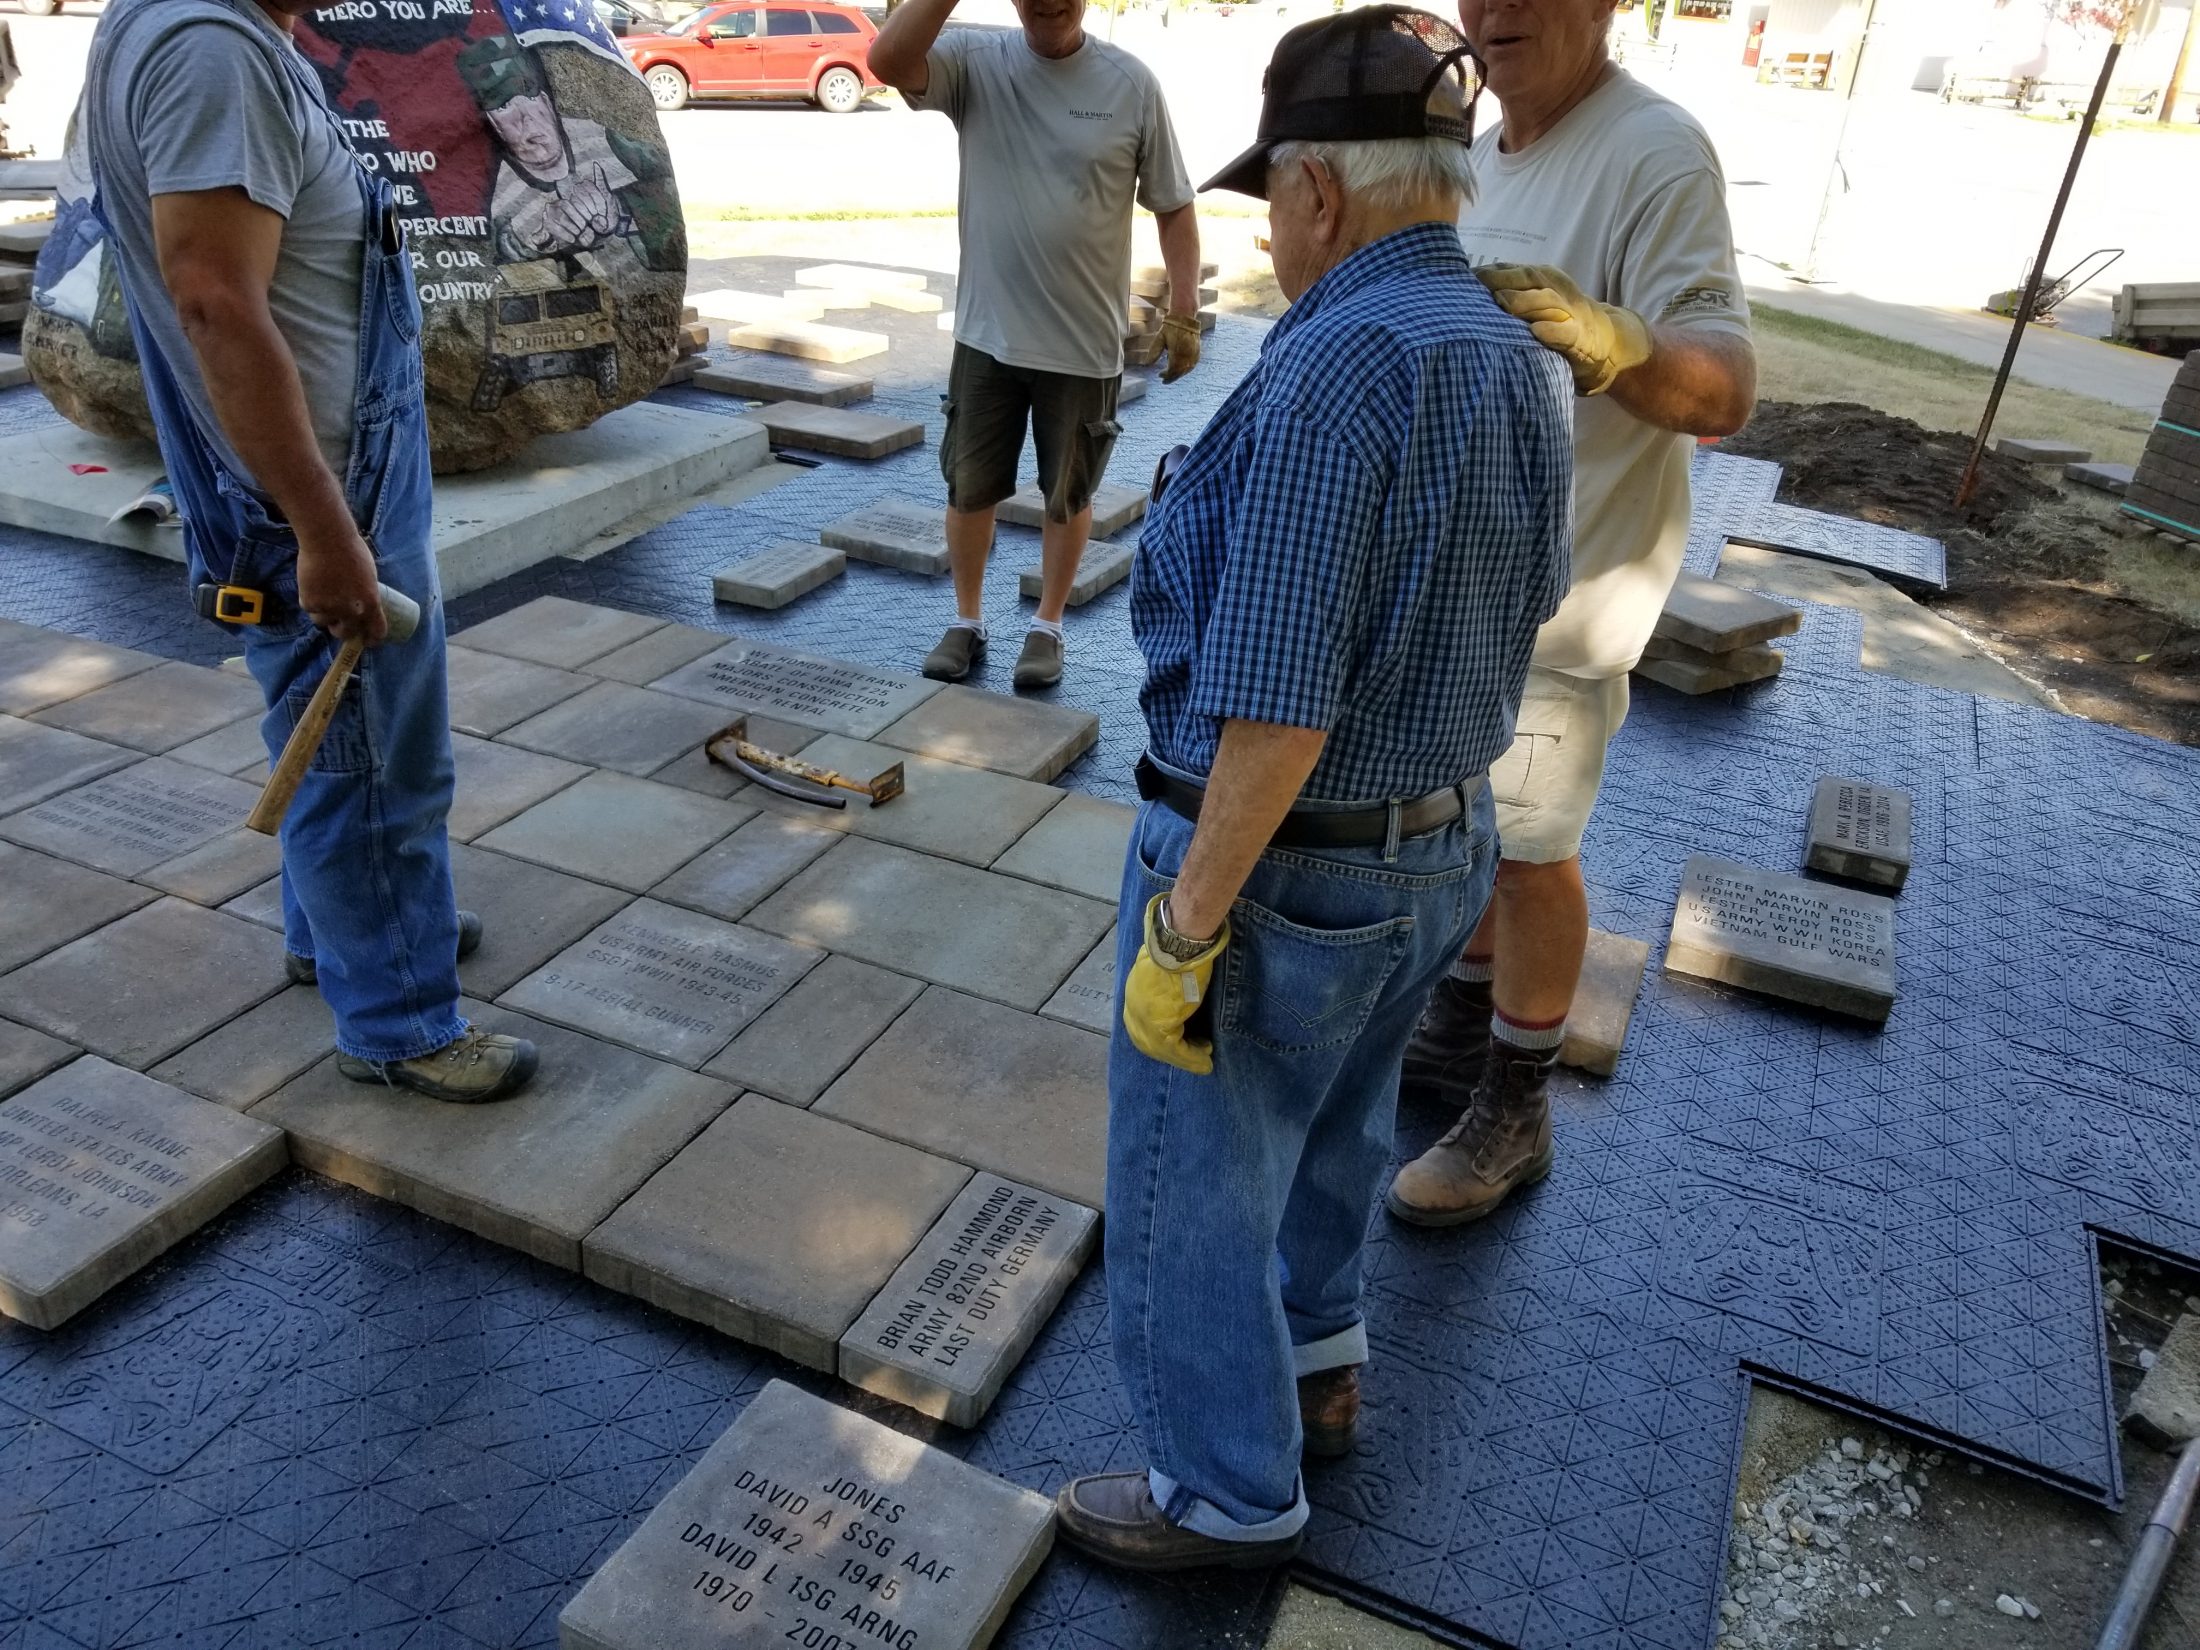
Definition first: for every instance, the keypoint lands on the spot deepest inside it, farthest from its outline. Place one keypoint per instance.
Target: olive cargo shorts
(988, 404)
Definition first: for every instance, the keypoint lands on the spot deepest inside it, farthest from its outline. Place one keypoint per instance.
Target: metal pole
(2168, 110)
(2030, 300)
(2127, 1619)
(1841, 136)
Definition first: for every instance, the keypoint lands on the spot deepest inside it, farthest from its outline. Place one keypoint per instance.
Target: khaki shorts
(1546, 784)
(989, 405)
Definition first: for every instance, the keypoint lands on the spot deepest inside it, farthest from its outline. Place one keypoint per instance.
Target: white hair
(1388, 173)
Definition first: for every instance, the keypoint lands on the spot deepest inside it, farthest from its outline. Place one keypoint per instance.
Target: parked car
(760, 48)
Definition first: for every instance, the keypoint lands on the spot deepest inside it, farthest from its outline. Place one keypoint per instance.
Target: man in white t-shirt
(1601, 221)
(1059, 135)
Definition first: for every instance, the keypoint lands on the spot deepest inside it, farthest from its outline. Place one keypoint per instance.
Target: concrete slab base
(553, 499)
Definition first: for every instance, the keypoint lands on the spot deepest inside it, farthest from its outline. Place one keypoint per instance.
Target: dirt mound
(2040, 572)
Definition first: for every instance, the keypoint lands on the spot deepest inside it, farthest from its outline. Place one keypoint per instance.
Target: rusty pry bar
(791, 776)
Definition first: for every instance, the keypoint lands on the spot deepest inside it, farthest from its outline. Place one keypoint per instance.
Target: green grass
(1862, 345)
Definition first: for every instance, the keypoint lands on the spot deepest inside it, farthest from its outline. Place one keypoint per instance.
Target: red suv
(760, 48)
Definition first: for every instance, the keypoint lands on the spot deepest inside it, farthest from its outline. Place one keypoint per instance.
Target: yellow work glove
(1180, 337)
(1162, 994)
(1599, 341)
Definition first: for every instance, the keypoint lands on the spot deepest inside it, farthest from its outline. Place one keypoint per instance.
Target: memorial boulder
(539, 206)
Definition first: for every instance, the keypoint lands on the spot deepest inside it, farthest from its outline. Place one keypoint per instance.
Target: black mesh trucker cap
(1378, 72)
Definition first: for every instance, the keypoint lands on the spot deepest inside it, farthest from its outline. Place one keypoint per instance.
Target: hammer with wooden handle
(403, 615)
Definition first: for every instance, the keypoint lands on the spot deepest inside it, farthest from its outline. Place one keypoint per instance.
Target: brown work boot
(480, 1066)
(1502, 1141)
(1444, 1061)
(959, 650)
(1113, 1517)
(1329, 1411)
(1040, 663)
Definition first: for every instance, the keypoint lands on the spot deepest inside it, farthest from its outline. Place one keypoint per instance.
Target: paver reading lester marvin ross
(807, 1524)
(1787, 936)
(959, 1314)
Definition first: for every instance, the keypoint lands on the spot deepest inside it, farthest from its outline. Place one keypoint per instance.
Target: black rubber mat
(381, 1428)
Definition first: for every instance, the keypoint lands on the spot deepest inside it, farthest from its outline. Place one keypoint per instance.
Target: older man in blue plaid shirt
(1337, 594)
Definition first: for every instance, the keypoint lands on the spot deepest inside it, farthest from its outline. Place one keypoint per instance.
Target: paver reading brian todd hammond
(808, 1525)
(1787, 936)
(101, 1170)
(956, 1318)
(1860, 831)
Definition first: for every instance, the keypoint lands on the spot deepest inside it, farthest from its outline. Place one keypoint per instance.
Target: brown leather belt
(1369, 827)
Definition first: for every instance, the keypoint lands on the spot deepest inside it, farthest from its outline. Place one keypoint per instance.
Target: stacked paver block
(1713, 635)
(2165, 488)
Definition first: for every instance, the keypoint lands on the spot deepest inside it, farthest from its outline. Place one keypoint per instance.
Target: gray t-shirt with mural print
(1054, 152)
(209, 94)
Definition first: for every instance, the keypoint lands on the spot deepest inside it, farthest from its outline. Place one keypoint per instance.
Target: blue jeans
(1238, 1202)
(366, 860)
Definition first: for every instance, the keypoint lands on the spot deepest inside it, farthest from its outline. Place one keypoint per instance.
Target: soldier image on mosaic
(810, 1287)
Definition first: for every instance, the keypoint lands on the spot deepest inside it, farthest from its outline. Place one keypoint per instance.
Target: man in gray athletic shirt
(1044, 287)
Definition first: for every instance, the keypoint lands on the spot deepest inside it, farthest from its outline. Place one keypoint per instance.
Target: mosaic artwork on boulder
(538, 198)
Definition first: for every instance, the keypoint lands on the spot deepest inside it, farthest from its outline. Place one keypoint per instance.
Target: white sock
(976, 627)
(1049, 628)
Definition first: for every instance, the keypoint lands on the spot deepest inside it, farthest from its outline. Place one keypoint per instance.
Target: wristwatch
(1179, 947)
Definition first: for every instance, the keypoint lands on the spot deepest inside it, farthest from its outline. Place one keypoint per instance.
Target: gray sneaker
(1040, 663)
(480, 1066)
(959, 650)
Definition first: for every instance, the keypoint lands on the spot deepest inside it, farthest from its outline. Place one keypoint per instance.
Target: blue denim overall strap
(1238, 1202)
(366, 859)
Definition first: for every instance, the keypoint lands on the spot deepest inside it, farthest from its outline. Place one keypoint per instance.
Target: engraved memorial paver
(1024, 738)
(101, 1170)
(813, 1034)
(1078, 846)
(490, 692)
(832, 694)
(1604, 1003)
(1811, 942)
(632, 730)
(775, 1226)
(893, 532)
(773, 577)
(916, 914)
(43, 667)
(834, 430)
(1099, 570)
(800, 1501)
(245, 1061)
(630, 833)
(950, 810)
(1114, 507)
(529, 913)
(536, 1172)
(641, 662)
(37, 762)
(550, 630)
(131, 820)
(1719, 617)
(158, 709)
(144, 986)
(756, 377)
(498, 782)
(50, 902)
(1087, 997)
(959, 1314)
(729, 880)
(1012, 1093)
(674, 984)
(1860, 831)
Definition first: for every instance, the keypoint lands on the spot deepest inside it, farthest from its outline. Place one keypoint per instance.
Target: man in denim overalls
(272, 301)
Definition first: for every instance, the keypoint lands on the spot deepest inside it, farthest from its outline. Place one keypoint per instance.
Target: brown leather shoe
(1450, 1046)
(1113, 1517)
(1329, 1412)
(1502, 1142)
(959, 651)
